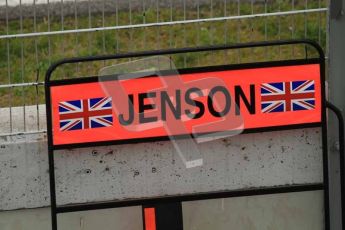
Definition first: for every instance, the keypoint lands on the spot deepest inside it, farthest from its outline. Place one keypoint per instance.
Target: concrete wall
(153, 169)
(39, 219)
(294, 211)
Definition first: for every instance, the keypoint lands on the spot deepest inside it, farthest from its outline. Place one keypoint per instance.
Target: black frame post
(51, 160)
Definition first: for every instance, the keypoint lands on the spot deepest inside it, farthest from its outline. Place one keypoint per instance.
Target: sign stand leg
(52, 189)
(165, 216)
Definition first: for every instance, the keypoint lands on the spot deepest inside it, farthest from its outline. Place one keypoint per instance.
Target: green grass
(31, 57)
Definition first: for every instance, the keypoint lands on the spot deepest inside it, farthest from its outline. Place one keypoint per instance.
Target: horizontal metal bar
(192, 197)
(21, 84)
(36, 83)
(237, 17)
(61, 62)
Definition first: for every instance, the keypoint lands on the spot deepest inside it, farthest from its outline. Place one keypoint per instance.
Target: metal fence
(35, 33)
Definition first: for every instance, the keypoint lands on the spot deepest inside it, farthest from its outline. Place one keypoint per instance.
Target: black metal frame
(112, 204)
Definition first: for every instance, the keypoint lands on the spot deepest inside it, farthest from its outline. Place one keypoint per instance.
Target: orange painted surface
(207, 123)
(150, 218)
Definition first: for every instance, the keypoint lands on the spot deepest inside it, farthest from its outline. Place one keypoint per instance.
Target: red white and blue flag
(85, 114)
(287, 96)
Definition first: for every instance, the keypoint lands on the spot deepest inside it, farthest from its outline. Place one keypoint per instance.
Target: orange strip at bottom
(150, 219)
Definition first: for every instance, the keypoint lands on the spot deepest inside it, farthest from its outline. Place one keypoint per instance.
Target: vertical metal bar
(265, 20)
(62, 15)
(62, 28)
(325, 147)
(103, 32)
(50, 141)
(49, 40)
(89, 25)
(319, 23)
(9, 69)
(76, 34)
(305, 20)
(184, 34)
(130, 48)
(117, 23)
(158, 45)
(239, 30)
(51, 158)
(144, 21)
(225, 29)
(171, 19)
(37, 68)
(170, 31)
(252, 28)
(158, 27)
(22, 63)
(35, 30)
(130, 30)
(211, 9)
(89, 34)
(279, 28)
(293, 27)
(199, 28)
(306, 27)
(211, 28)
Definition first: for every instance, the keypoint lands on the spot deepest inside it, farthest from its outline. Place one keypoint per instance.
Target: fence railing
(33, 34)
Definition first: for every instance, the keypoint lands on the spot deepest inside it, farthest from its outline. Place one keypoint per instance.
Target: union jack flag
(85, 114)
(287, 96)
